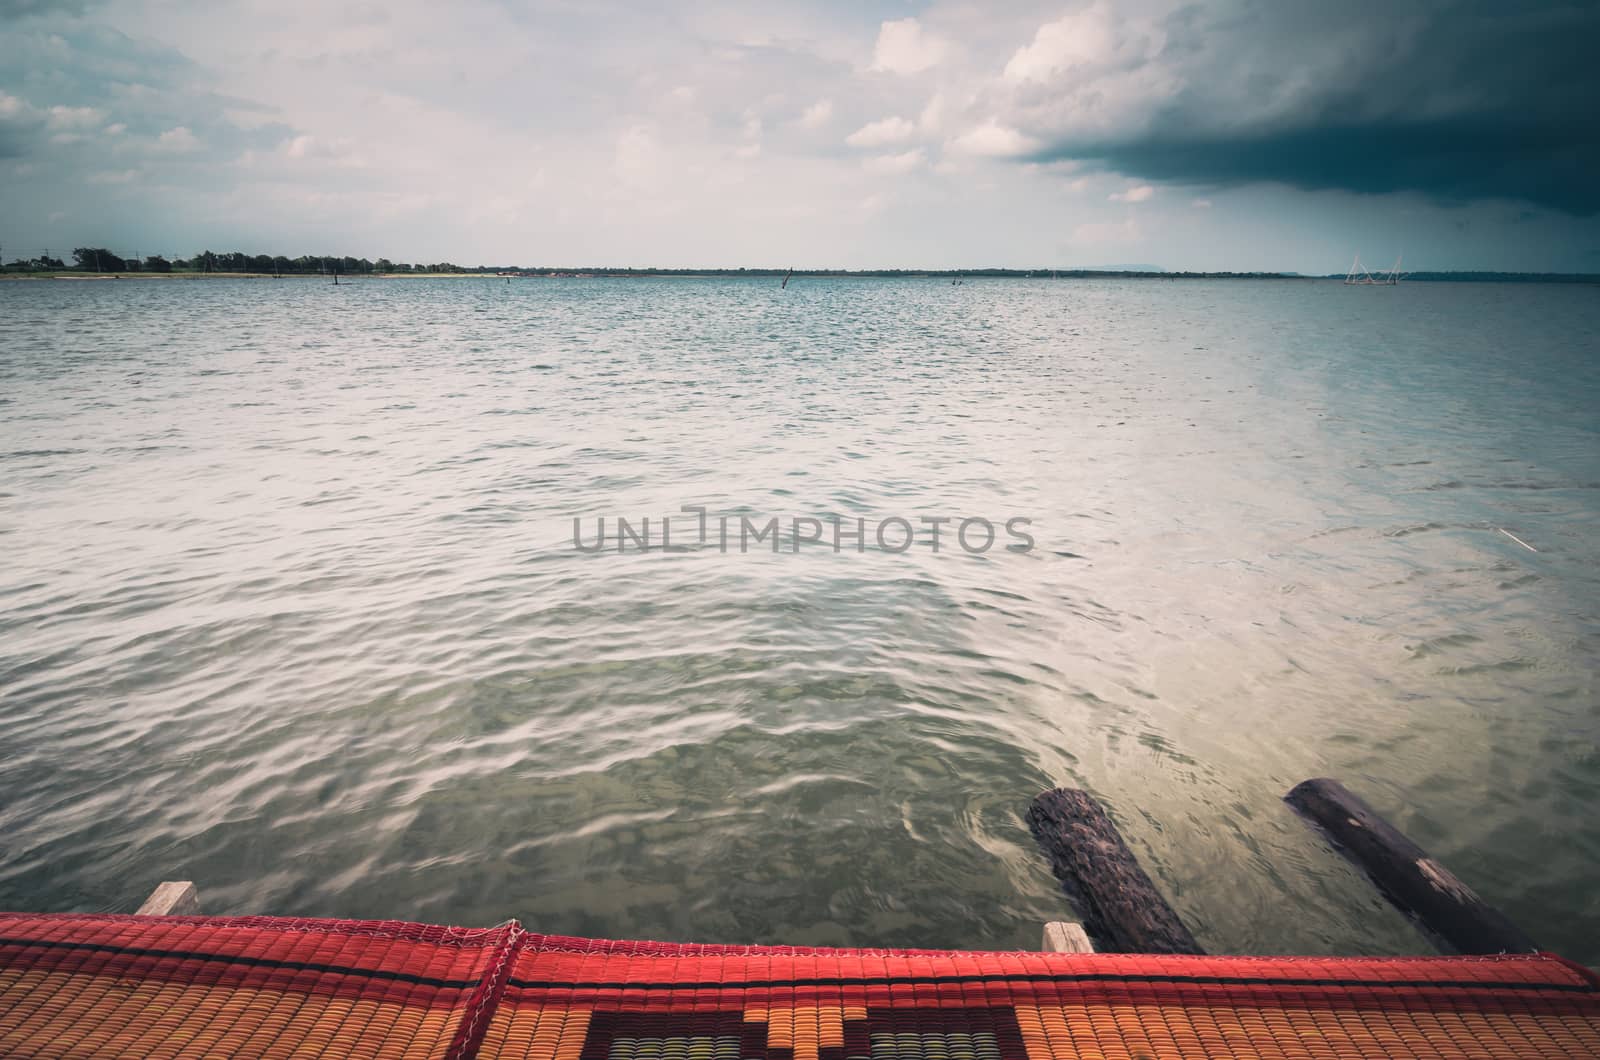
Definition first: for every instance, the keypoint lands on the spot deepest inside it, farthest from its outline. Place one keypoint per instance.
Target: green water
(289, 602)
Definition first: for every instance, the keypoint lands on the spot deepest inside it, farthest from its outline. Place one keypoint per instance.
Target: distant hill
(1493, 277)
(1117, 268)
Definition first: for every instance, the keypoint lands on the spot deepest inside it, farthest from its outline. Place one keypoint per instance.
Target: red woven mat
(97, 986)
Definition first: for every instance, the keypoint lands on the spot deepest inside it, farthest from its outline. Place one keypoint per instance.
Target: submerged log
(1415, 883)
(1121, 907)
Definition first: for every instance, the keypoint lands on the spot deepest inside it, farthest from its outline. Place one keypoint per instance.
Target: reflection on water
(289, 603)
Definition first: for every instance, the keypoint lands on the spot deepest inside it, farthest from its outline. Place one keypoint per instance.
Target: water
(289, 603)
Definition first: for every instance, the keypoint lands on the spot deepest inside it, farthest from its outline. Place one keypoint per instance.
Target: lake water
(290, 605)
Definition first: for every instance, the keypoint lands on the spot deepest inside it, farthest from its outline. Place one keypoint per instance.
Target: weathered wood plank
(1064, 936)
(172, 898)
(1415, 883)
(1120, 906)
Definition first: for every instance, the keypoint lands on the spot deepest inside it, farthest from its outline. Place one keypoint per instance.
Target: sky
(1219, 135)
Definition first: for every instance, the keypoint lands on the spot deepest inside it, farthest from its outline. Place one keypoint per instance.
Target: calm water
(289, 603)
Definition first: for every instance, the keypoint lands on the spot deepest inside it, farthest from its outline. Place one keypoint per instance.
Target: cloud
(19, 124)
(892, 130)
(708, 134)
(69, 119)
(752, 137)
(1457, 100)
(85, 79)
(895, 165)
(248, 117)
(640, 157)
(1072, 40)
(994, 141)
(817, 115)
(116, 176)
(1101, 233)
(24, 8)
(1201, 204)
(1138, 194)
(904, 47)
(178, 140)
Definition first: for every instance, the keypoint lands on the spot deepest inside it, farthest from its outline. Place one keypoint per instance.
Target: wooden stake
(172, 898)
(1064, 936)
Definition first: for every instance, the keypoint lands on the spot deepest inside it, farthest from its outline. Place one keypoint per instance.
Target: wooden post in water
(1415, 883)
(172, 898)
(1121, 907)
(1063, 936)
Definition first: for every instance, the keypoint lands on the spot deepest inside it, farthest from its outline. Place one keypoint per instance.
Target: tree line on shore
(100, 259)
(103, 260)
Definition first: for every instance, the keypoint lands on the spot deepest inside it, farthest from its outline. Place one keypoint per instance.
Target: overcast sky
(1236, 134)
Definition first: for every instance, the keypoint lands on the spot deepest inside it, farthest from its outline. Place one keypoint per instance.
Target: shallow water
(289, 603)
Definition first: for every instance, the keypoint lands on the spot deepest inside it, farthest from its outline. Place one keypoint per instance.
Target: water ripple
(290, 605)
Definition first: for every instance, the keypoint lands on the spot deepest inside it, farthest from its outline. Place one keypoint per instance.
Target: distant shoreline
(819, 274)
(691, 274)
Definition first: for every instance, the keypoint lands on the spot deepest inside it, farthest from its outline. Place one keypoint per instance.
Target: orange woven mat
(180, 986)
(139, 986)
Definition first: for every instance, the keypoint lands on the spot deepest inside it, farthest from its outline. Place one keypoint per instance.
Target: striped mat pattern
(114, 986)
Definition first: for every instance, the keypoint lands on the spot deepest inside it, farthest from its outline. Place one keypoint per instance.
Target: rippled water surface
(289, 603)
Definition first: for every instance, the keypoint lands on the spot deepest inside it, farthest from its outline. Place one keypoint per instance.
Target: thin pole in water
(1517, 539)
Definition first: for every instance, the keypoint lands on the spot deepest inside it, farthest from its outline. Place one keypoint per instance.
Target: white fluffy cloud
(178, 139)
(993, 140)
(1141, 193)
(904, 47)
(75, 119)
(1079, 39)
(891, 130)
(818, 115)
(897, 164)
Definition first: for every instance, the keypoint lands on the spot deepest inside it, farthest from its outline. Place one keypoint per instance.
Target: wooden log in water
(1121, 907)
(1415, 883)
(172, 898)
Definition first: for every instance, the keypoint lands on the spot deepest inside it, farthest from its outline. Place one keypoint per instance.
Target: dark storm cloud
(21, 8)
(1456, 99)
(89, 98)
(1456, 160)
